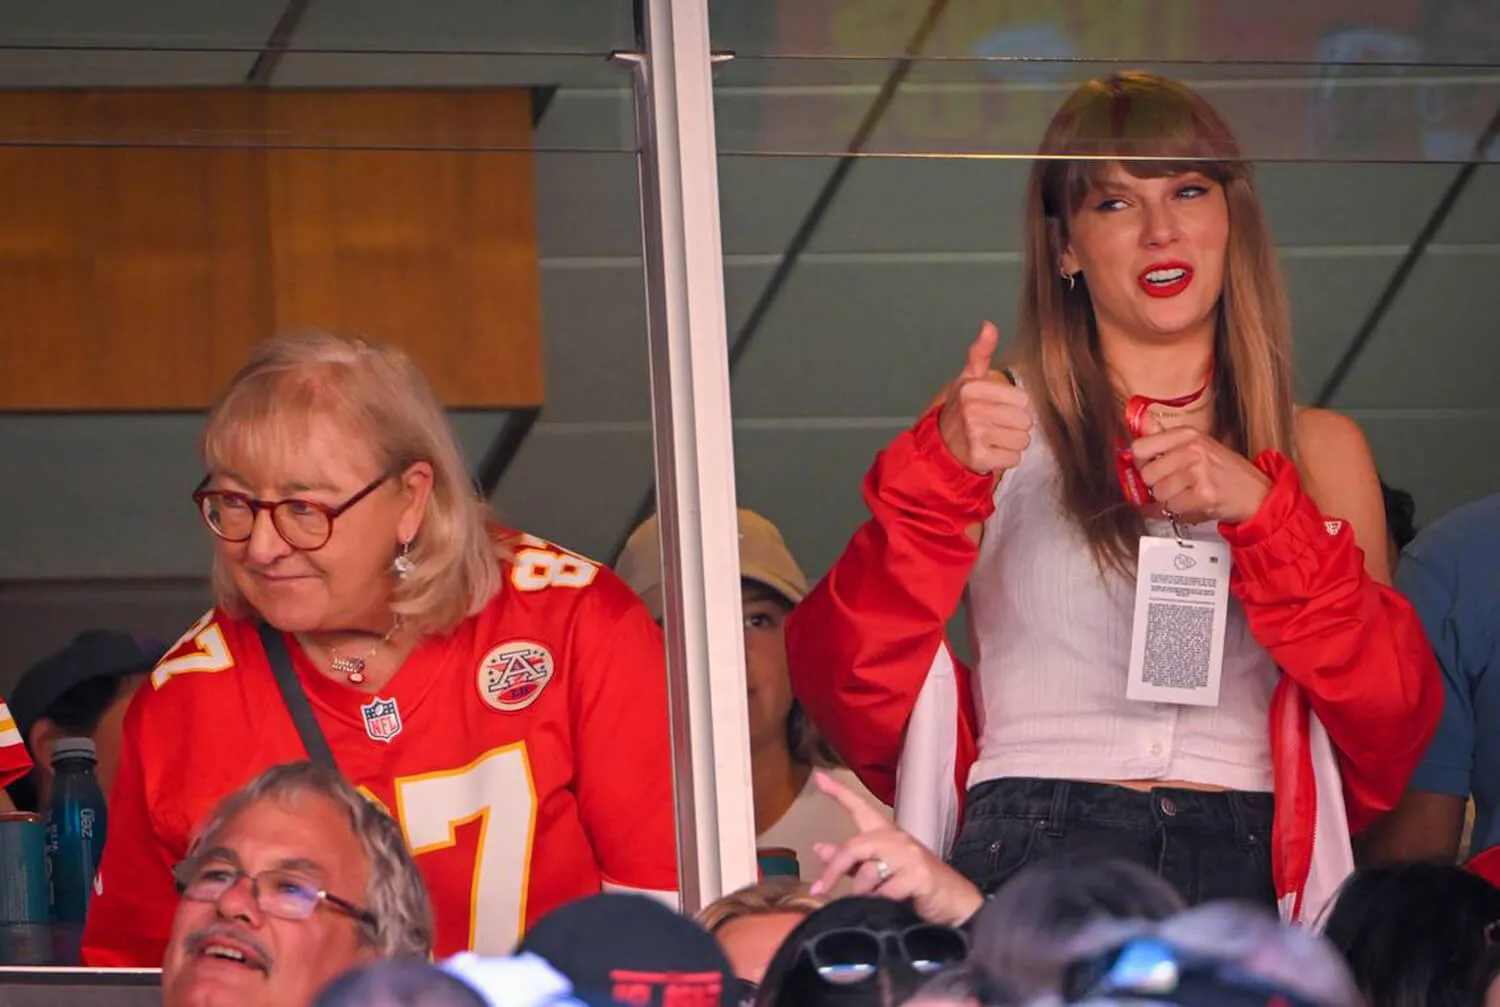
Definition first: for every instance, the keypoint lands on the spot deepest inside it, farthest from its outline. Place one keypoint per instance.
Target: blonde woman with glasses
(503, 698)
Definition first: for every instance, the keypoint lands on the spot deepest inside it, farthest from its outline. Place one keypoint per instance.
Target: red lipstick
(1165, 279)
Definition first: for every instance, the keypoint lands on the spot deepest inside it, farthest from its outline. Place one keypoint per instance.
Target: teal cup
(26, 937)
(23, 869)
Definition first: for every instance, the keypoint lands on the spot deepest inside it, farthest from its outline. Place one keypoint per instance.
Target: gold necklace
(354, 667)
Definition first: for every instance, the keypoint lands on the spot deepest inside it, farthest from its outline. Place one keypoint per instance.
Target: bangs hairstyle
(377, 397)
(1150, 127)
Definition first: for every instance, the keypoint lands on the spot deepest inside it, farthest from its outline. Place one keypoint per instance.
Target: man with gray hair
(294, 879)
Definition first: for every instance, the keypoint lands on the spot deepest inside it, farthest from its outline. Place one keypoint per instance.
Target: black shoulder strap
(295, 698)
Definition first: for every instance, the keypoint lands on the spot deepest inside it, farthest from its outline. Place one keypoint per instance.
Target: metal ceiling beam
(277, 43)
(541, 100)
(1414, 253)
(504, 448)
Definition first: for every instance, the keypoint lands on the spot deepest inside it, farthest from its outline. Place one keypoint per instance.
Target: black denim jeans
(1208, 845)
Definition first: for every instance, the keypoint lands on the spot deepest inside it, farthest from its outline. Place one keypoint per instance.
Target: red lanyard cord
(1135, 488)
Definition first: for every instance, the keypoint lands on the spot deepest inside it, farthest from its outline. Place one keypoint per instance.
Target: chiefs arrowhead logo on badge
(513, 675)
(382, 719)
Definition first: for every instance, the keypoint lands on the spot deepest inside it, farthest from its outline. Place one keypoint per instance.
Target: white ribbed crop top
(1052, 648)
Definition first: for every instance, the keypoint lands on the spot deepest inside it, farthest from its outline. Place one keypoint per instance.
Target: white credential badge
(1177, 639)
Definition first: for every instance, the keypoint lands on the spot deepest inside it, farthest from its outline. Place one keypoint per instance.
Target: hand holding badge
(1193, 476)
(1182, 583)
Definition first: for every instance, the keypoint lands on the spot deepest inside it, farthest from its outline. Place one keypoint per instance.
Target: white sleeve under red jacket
(1357, 668)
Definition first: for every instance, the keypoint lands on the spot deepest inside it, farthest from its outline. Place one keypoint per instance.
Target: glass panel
(1001, 106)
(1217, 31)
(112, 537)
(582, 100)
(855, 284)
(537, 27)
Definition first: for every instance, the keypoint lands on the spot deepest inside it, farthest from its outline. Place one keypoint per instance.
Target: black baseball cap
(95, 653)
(632, 951)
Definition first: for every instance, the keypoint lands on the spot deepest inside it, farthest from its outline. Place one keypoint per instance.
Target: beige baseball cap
(764, 559)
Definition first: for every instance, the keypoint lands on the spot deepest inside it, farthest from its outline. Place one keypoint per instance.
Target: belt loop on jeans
(1057, 816)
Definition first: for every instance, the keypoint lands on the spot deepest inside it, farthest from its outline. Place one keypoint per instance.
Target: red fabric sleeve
(1354, 645)
(860, 645)
(14, 760)
(622, 742)
(130, 919)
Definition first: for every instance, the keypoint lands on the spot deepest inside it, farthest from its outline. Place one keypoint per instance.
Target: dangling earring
(1068, 277)
(403, 565)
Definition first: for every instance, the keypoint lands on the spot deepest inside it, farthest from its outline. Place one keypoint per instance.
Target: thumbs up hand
(985, 420)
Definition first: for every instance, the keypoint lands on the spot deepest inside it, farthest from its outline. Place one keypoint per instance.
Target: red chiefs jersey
(526, 756)
(14, 762)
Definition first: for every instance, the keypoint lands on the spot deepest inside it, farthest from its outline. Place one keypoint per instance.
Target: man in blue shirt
(1451, 573)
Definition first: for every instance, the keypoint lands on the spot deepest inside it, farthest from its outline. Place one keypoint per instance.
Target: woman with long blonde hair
(1267, 692)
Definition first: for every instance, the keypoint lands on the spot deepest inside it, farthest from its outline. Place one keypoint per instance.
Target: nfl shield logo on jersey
(382, 719)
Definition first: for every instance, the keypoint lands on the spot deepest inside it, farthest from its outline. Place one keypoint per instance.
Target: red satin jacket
(1352, 651)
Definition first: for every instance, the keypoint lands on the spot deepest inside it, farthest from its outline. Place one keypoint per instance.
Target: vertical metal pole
(694, 442)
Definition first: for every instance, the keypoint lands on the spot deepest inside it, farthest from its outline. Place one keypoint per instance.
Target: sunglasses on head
(744, 991)
(1148, 968)
(852, 955)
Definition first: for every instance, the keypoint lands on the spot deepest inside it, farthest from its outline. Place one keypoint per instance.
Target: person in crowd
(292, 880)
(859, 950)
(1147, 400)
(1451, 573)
(82, 691)
(965, 985)
(1400, 520)
(404, 982)
(886, 861)
(751, 923)
(632, 951)
(519, 980)
(15, 761)
(1023, 933)
(1208, 956)
(453, 670)
(1417, 934)
(878, 859)
(791, 813)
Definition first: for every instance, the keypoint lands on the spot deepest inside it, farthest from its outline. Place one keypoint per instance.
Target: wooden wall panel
(434, 250)
(124, 271)
(136, 274)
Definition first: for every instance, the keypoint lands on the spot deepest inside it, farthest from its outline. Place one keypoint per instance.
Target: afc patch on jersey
(382, 719)
(513, 675)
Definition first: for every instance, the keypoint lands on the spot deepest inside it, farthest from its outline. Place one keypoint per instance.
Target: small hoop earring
(403, 565)
(1068, 278)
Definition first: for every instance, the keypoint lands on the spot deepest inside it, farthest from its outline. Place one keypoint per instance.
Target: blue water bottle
(75, 828)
